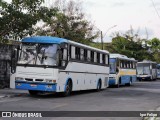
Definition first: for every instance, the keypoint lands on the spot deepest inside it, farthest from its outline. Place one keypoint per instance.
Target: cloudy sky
(140, 14)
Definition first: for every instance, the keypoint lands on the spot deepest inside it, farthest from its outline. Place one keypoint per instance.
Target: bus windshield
(143, 69)
(112, 62)
(39, 54)
(158, 69)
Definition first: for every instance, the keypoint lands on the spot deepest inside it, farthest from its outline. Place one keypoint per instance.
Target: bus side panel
(83, 76)
(126, 75)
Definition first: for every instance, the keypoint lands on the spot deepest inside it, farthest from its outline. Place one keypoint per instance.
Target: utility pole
(105, 34)
(102, 40)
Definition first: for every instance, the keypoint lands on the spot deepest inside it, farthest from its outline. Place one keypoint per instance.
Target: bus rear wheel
(33, 92)
(68, 89)
(99, 86)
(130, 83)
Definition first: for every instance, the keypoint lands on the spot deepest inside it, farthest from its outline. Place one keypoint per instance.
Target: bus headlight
(19, 78)
(50, 81)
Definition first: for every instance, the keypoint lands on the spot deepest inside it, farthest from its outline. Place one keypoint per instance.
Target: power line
(155, 8)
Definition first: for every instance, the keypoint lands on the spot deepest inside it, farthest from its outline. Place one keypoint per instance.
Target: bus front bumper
(23, 85)
(144, 78)
(112, 81)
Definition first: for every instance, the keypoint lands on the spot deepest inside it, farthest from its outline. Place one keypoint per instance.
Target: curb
(15, 95)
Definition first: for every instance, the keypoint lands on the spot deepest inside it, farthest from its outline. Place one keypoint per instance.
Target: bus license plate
(33, 85)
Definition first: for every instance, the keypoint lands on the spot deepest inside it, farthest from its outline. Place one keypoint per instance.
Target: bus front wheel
(68, 89)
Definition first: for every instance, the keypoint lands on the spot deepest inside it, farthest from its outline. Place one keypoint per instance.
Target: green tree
(18, 17)
(154, 44)
(129, 45)
(70, 23)
(155, 48)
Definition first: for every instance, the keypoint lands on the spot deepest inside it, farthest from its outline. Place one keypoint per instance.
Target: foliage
(69, 23)
(18, 17)
(131, 46)
(155, 48)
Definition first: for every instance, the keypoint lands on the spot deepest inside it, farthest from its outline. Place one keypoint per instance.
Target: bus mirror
(117, 70)
(13, 61)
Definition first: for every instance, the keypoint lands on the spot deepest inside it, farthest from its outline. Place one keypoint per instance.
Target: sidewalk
(9, 92)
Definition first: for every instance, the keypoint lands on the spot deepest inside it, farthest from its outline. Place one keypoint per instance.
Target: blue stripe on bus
(126, 79)
(39, 87)
(44, 39)
(112, 81)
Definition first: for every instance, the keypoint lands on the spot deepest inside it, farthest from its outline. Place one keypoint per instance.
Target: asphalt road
(141, 96)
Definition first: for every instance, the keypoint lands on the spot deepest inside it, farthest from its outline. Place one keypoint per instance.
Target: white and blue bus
(122, 70)
(51, 64)
(158, 71)
(146, 70)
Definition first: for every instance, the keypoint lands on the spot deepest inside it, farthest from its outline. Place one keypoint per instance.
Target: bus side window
(92, 56)
(82, 54)
(107, 59)
(88, 55)
(128, 64)
(77, 53)
(103, 59)
(120, 63)
(133, 64)
(85, 54)
(100, 58)
(73, 52)
(95, 57)
(64, 54)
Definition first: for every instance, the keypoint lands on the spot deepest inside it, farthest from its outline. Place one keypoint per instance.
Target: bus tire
(130, 82)
(33, 92)
(117, 86)
(119, 82)
(68, 89)
(99, 85)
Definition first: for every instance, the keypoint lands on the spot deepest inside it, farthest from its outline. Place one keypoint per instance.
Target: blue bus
(122, 70)
(52, 64)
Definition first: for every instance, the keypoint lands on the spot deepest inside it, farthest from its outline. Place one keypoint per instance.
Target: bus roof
(49, 39)
(120, 56)
(86, 46)
(44, 39)
(147, 61)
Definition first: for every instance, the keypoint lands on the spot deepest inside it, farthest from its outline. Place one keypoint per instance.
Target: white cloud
(124, 13)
